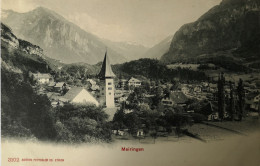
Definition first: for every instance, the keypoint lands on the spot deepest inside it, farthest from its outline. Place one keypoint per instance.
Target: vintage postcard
(130, 82)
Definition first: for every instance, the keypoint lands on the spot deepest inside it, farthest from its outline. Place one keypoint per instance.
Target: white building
(134, 82)
(42, 78)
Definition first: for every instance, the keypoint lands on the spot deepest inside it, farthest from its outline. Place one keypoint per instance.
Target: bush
(82, 123)
(197, 118)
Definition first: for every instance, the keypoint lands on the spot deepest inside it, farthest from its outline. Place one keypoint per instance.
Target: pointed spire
(106, 70)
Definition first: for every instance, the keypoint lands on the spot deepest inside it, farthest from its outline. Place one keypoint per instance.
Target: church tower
(106, 76)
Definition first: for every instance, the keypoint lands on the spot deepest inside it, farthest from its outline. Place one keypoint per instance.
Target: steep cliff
(232, 25)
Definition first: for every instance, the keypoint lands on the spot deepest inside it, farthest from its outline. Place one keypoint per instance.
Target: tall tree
(231, 102)
(241, 99)
(221, 96)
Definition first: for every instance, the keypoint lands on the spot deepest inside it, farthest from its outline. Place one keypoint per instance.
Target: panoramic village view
(62, 84)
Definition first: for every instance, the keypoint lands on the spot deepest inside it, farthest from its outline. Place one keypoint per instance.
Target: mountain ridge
(60, 38)
(227, 26)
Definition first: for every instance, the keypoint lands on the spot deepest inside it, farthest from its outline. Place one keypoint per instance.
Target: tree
(147, 85)
(154, 135)
(118, 120)
(231, 103)
(24, 112)
(158, 95)
(241, 99)
(132, 122)
(85, 123)
(221, 96)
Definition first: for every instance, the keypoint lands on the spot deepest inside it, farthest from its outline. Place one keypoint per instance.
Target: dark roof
(72, 93)
(106, 70)
(59, 84)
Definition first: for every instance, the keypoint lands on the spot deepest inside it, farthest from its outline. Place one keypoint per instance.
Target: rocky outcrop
(30, 48)
(12, 41)
(8, 37)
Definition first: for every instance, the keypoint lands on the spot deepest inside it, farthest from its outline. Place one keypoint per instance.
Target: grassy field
(214, 131)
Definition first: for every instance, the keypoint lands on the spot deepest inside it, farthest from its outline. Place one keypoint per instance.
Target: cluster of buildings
(102, 93)
(110, 94)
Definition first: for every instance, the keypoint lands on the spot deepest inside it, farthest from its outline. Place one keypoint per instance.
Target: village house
(93, 85)
(134, 82)
(120, 132)
(122, 83)
(197, 89)
(253, 101)
(140, 133)
(41, 78)
(79, 95)
(212, 88)
(51, 85)
(175, 98)
(118, 93)
(127, 111)
(59, 86)
(185, 90)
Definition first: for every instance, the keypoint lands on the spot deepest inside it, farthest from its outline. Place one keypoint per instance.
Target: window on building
(109, 93)
(109, 83)
(109, 88)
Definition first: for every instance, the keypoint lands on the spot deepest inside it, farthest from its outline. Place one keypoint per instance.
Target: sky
(145, 22)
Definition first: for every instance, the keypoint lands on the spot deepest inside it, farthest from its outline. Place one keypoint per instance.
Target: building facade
(134, 82)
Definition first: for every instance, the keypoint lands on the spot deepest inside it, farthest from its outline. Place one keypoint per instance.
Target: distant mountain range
(130, 51)
(65, 41)
(158, 50)
(231, 29)
(229, 33)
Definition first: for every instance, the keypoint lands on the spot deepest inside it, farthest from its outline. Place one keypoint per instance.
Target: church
(106, 77)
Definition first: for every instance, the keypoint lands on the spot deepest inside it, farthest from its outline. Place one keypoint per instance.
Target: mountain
(20, 56)
(59, 38)
(157, 51)
(129, 50)
(231, 29)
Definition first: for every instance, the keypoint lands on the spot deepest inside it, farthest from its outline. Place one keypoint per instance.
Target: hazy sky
(145, 22)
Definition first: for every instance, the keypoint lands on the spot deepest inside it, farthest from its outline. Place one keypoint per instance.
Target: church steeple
(106, 70)
(106, 76)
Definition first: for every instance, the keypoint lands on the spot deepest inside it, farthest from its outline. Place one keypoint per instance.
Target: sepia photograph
(130, 82)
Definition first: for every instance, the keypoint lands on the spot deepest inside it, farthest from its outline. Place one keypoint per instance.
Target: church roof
(72, 93)
(106, 70)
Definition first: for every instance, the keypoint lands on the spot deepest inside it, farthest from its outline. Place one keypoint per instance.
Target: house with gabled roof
(42, 78)
(79, 95)
(59, 86)
(253, 101)
(134, 82)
